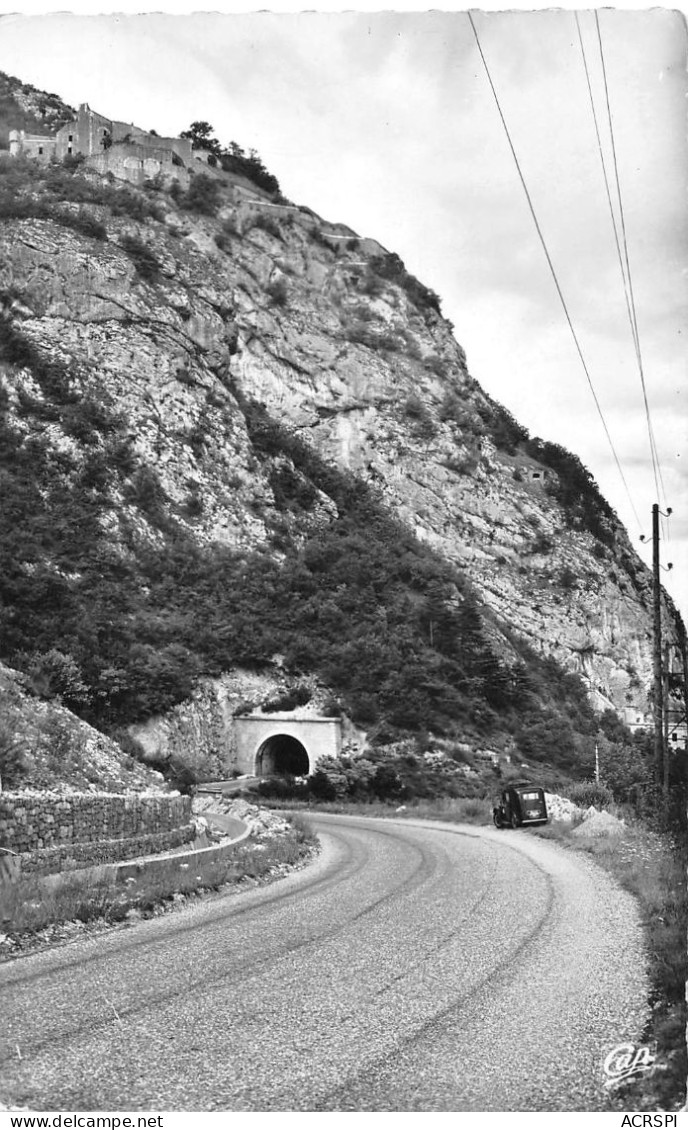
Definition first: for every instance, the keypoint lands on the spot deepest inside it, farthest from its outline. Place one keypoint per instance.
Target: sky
(386, 122)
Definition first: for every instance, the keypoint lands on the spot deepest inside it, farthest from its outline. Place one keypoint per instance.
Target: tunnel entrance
(282, 756)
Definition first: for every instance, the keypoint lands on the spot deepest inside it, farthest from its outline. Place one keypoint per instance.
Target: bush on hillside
(391, 267)
(204, 195)
(233, 159)
(55, 674)
(72, 161)
(278, 292)
(50, 185)
(144, 260)
(289, 699)
(265, 223)
(588, 793)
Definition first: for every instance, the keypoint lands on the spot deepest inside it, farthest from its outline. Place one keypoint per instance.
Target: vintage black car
(520, 803)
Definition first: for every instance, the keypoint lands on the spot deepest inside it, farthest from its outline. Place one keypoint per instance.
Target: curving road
(412, 966)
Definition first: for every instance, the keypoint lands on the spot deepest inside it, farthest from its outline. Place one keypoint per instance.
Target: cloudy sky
(387, 122)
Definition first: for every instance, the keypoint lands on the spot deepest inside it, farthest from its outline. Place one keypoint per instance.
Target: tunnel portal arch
(255, 744)
(282, 755)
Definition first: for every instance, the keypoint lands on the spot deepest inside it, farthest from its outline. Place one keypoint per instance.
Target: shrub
(568, 579)
(463, 464)
(145, 262)
(414, 407)
(408, 343)
(359, 331)
(234, 160)
(54, 674)
(302, 829)
(423, 424)
(80, 221)
(227, 232)
(320, 785)
(278, 292)
(360, 313)
(387, 784)
(194, 504)
(391, 267)
(291, 490)
(289, 699)
(542, 544)
(437, 365)
(181, 777)
(16, 207)
(146, 491)
(452, 411)
(129, 745)
(587, 793)
(505, 430)
(370, 284)
(265, 223)
(72, 161)
(332, 707)
(177, 193)
(203, 195)
(86, 224)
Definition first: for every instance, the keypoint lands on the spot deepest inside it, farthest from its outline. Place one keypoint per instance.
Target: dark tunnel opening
(282, 756)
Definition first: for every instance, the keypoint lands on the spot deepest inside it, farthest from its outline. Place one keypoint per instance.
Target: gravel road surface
(412, 966)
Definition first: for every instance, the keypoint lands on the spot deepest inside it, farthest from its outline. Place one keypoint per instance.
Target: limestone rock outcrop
(266, 303)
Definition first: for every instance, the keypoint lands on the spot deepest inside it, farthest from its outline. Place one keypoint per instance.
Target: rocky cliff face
(174, 317)
(44, 744)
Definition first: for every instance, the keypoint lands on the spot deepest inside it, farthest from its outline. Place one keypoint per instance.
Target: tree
(200, 134)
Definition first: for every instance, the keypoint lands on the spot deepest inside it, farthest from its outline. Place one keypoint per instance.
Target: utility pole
(597, 762)
(665, 730)
(657, 703)
(684, 758)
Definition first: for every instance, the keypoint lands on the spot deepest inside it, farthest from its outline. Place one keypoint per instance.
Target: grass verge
(653, 868)
(30, 907)
(455, 810)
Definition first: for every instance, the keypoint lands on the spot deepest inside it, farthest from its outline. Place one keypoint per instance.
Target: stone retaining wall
(75, 856)
(56, 833)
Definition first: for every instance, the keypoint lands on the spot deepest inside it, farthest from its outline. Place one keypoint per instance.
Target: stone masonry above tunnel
(280, 743)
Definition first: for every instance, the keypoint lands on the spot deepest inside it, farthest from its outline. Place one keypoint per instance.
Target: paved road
(411, 967)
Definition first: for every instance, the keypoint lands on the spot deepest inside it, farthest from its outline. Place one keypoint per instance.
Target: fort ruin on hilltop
(120, 148)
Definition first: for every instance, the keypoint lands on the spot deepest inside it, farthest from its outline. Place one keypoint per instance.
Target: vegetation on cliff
(121, 632)
(233, 159)
(22, 106)
(111, 601)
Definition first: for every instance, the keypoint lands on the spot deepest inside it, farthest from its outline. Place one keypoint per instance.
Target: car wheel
(497, 819)
(514, 820)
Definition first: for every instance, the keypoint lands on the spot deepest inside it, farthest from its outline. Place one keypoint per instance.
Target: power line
(553, 272)
(627, 285)
(606, 179)
(656, 467)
